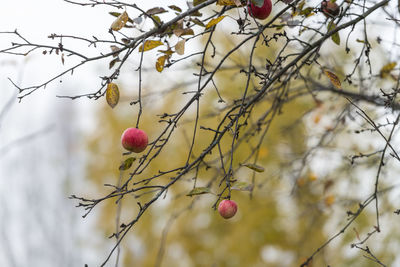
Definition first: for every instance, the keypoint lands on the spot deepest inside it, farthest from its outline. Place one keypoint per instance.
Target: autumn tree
(294, 117)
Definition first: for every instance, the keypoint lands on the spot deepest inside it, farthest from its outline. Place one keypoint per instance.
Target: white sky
(36, 20)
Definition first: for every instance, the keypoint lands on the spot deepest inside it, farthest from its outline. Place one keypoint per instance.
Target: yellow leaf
(214, 22)
(385, 70)
(120, 22)
(112, 94)
(150, 44)
(160, 63)
(228, 2)
(254, 167)
(334, 79)
(317, 118)
(312, 177)
(329, 200)
(197, 2)
(180, 47)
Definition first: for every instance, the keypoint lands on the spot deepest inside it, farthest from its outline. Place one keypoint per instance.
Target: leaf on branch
(160, 63)
(117, 14)
(157, 21)
(168, 52)
(229, 2)
(181, 32)
(254, 167)
(112, 94)
(127, 164)
(120, 22)
(150, 44)
(198, 2)
(385, 70)
(180, 47)
(199, 191)
(335, 37)
(334, 79)
(242, 186)
(197, 22)
(156, 10)
(214, 22)
(112, 62)
(176, 8)
(114, 49)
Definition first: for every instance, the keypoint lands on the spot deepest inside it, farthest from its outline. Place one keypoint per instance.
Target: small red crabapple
(259, 12)
(134, 140)
(227, 208)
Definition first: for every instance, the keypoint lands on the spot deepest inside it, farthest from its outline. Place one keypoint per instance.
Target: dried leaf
(254, 167)
(112, 94)
(120, 22)
(334, 79)
(168, 52)
(385, 70)
(117, 14)
(150, 44)
(197, 2)
(228, 2)
(176, 8)
(199, 191)
(197, 22)
(127, 164)
(112, 62)
(214, 22)
(329, 200)
(242, 186)
(180, 47)
(160, 63)
(335, 37)
(180, 32)
(114, 48)
(156, 10)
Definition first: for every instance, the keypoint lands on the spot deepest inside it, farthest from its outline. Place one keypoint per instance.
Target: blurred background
(52, 147)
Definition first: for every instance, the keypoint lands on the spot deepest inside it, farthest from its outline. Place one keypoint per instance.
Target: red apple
(227, 208)
(330, 9)
(134, 140)
(260, 12)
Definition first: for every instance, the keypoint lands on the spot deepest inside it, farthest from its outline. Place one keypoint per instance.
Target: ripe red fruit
(260, 12)
(227, 208)
(330, 9)
(134, 140)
